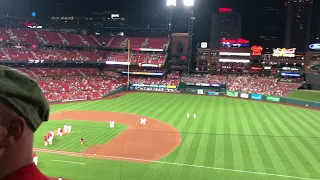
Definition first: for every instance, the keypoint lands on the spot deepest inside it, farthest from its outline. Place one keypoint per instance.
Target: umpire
(23, 108)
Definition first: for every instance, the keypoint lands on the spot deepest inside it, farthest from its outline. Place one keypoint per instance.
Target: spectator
(23, 108)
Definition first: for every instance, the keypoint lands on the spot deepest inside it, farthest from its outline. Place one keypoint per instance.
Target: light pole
(170, 5)
(189, 4)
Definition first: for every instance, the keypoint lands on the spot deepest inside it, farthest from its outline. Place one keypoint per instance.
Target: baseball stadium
(127, 107)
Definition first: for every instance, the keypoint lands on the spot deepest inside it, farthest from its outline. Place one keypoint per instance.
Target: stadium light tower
(171, 2)
(189, 4)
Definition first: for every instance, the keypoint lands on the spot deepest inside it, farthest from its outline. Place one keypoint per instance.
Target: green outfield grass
(305, 95)
(92, 132)
(231, 139)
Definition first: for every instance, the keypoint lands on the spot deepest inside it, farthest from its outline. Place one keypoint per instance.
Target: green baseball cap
(24, 95)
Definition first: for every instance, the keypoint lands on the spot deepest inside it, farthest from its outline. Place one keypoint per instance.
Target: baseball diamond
(146, 91)
(230, 137)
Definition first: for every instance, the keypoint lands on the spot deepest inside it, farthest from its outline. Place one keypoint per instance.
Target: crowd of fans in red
(247, 83)
(67, 84)
(36, 37)
(28, 36)
(63, 55)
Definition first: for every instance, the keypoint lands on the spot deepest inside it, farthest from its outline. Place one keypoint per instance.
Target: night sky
(149, 11)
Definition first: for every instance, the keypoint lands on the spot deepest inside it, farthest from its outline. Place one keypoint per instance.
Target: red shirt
(29, 172)
(61, 130)
(49, 134)
(45, 138)
(34, 155)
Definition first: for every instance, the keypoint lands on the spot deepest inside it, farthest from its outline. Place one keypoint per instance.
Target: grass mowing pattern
(306, 95)
(93, 133)
(229, 133)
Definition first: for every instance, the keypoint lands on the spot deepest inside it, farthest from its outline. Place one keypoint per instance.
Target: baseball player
(141, 121)
(144, 121)
(61, 132)
(60, 178)
(49, 138)
(81, 141)
(65, 128)
(188, 115)
(52, 132)
(112, 124)
(194, 116)
(45, 138)
(35, 158)
(69, 128)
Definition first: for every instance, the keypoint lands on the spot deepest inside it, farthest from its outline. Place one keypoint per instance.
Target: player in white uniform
(188, 115)
(111, 124)
(35, 159)
(65, 128)
(69, 128)
(144, 121)
(59, 131)
(52, 132)
(141, 121)
(194, 116)
(49, 138)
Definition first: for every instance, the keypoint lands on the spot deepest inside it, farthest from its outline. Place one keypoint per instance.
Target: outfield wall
(249, 96)
(276, 99)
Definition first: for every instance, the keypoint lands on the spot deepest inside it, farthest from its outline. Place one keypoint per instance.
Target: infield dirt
(137, 143)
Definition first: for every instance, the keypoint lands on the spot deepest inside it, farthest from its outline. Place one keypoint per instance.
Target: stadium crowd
(74, 55)
(31, 36)
(68, 84)
(247, 83)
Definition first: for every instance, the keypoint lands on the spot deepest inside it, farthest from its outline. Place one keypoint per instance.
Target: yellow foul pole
(128, 63)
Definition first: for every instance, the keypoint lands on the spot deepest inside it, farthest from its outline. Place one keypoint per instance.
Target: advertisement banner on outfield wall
(200, 91)
(256, 96)
(232, 94)
(244, 95)
(132, 88)
(213, 93)
(162, 86)
(137, 85)
(171, 87)
(273, 98)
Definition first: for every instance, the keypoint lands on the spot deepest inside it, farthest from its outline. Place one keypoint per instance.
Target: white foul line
(68, 162)
(171, 163)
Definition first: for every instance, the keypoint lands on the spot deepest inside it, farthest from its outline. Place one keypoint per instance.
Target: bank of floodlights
(171, 2)
(188, 3)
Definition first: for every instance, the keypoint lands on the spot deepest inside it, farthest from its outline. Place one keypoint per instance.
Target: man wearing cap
(23, 108)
